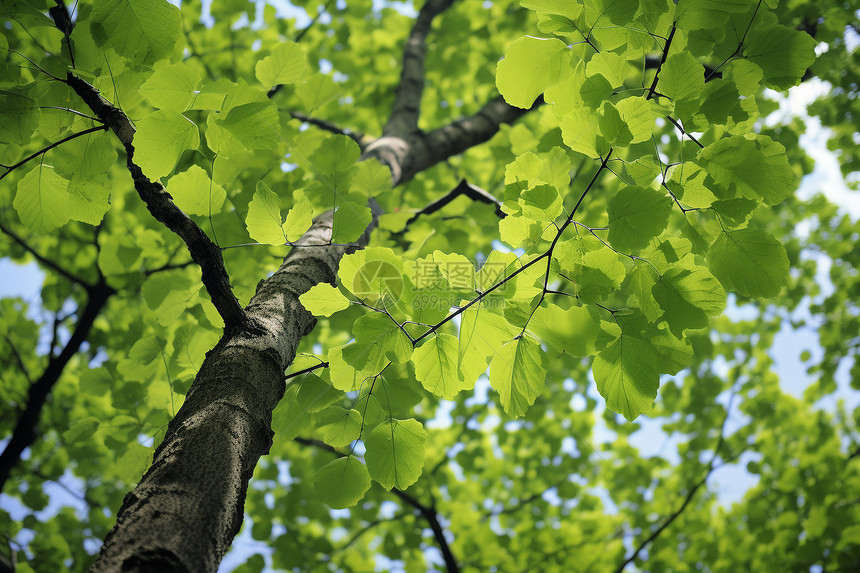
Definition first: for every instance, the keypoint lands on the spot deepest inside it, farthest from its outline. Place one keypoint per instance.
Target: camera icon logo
(378, 283)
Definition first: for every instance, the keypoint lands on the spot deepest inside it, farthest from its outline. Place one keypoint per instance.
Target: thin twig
(356, 136)
(45, 261)
(306, 370)
(11, 168)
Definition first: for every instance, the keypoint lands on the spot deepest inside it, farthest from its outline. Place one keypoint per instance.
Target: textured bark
(407, 99)
(185, 512)
(408, 153)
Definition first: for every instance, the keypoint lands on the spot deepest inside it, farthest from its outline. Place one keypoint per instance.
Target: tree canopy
(458, 285)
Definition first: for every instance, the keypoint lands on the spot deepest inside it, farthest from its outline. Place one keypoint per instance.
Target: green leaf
(458, 271)
(637, 215)
(314, 393)
(306, 395)
(522, 232)
(517, 373)
(264, 221)
(144, 31)
(698, 14)
(681, 78)
(395, 453)
(342, 483)
(573, 330)
(754, 166)
(554, 16)
(168, 294)
(613, 127)
(378, 330)
(784, 54)
(530, 66)
(352, 364)
(19, 117)
(42, 199)
(195, 193)
(437, 366)
(688, 294)
(89, 186)
(370, 178)
(643, 171)
(482, 331)
(541, 202)
(616, 11)
(627, 372)
(530, 170)
(333, 162)
(317, 91)
(611, 66)
(162, 137)
(255, 125)
(299, 220)
(350, 221)
(689, 183)
(374, 274)
(750, 262)
(172, 87)
(338, 426)
(81, 429)
(285, 65)
(581, 132)
(637, 115)
(323, 300)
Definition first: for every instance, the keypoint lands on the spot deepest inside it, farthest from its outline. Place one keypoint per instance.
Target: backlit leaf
(342, 483)
(750, 262)
(530, 66)
(395, 453)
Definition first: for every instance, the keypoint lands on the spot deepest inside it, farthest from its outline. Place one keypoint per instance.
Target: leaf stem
(51, 146)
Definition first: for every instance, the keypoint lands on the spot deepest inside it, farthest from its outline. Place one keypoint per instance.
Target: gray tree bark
(185, 512)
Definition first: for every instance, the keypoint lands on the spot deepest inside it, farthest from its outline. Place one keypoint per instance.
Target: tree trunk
(185, 512)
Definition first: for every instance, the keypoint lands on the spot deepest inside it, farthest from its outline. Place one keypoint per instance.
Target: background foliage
(476, 355)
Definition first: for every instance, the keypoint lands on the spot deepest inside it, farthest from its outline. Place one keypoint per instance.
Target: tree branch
(427, 512)
(432, 517)
(356, 136)
(660, 64)
(460, 135)
(20, 360)
(407, 98)
(47, 262)
(25, 429)
(159, 202)
(408, 154)
(651, 62)
(688, 498)
(473, 192)
(47, 148)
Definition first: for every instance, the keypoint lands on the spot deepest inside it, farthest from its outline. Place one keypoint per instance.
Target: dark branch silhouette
(25, 429)
(159, 202)
(463, 188)
(427, 512)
